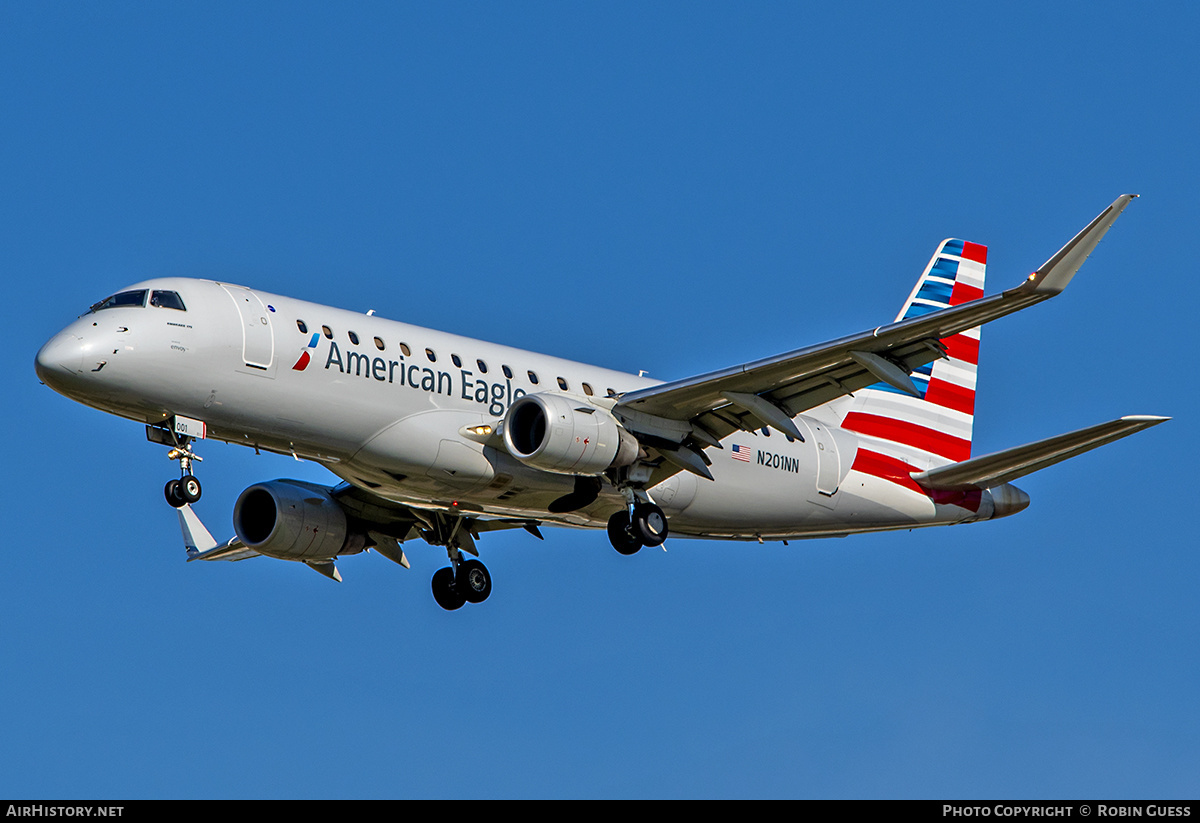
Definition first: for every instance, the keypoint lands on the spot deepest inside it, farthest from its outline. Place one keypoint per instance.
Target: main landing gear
(464, 581)
(186, 489)
(641, 524)
(467, 581)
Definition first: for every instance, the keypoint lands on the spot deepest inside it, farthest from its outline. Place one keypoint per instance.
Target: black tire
(473, 581)
(444, 590)
(173, 495)
(649, 524)
(189, 488)
(621, 535)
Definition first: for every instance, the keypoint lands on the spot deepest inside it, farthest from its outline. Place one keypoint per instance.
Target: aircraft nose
(60, 359)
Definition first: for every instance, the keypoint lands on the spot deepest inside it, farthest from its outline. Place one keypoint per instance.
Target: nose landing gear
(187, 488)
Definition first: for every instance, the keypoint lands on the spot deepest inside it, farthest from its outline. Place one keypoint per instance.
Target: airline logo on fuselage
(305, 357)
(497, 396)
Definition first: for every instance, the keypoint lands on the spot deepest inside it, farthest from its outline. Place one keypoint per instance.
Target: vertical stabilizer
(933, 428)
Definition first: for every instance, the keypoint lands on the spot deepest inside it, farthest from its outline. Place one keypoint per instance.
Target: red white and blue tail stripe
(899, 433)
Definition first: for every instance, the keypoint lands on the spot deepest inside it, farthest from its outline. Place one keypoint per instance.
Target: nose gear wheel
(187, 488)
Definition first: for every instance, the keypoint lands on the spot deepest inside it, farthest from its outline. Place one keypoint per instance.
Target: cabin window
(432, 357)
(407, 351)
(533, 378)
(612, 392)
(482, 366)
(562, 384)
(328, 332)
(353, 337)
(121, 300)
(378, 344)
(766, 432)
(456, 360)
(587, 389)
(303, 328)
(167, 300)
(507, 372)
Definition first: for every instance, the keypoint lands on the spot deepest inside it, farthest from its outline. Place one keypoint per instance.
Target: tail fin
(935, 428)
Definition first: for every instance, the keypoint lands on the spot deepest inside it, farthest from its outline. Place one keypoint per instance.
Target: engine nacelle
(567, 435)
(293, 520)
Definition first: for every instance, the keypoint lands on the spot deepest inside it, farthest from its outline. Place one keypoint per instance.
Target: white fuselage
(385, 406)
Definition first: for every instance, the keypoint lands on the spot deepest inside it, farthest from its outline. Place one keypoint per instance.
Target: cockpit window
(122, 300)
(167, 300)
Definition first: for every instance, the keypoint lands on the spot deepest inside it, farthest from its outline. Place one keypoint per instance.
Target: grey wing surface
(771, 391)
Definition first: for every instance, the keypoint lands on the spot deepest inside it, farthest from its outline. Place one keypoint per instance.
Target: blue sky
(674, 188)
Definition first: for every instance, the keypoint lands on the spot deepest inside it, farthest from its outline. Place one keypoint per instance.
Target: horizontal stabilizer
(1002, 467)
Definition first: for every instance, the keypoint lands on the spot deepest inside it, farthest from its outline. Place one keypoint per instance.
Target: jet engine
(293, 520)
(566, 435)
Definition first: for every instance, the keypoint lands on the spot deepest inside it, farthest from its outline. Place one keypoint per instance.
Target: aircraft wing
(773, 390)
(386, 523)
(403, 521)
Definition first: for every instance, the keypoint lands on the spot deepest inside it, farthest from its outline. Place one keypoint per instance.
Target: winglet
(200, 544)
(196, 538)
(1054, 275)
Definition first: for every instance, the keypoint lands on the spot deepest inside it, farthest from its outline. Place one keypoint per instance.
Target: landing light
(482, 431)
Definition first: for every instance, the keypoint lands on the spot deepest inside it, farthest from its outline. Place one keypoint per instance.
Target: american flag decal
(741, 453)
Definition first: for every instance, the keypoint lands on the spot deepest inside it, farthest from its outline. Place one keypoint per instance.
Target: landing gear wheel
(473, 581)
(189, 488)
(173, 494)
(445, 592)
(649, 524)
(621, 535)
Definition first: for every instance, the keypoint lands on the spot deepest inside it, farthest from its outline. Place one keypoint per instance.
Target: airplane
(445, 438)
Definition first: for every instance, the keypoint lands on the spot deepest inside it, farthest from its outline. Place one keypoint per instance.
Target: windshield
(167, 300)
(124, 299)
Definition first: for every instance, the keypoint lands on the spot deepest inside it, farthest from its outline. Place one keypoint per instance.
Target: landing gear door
(258, 339)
